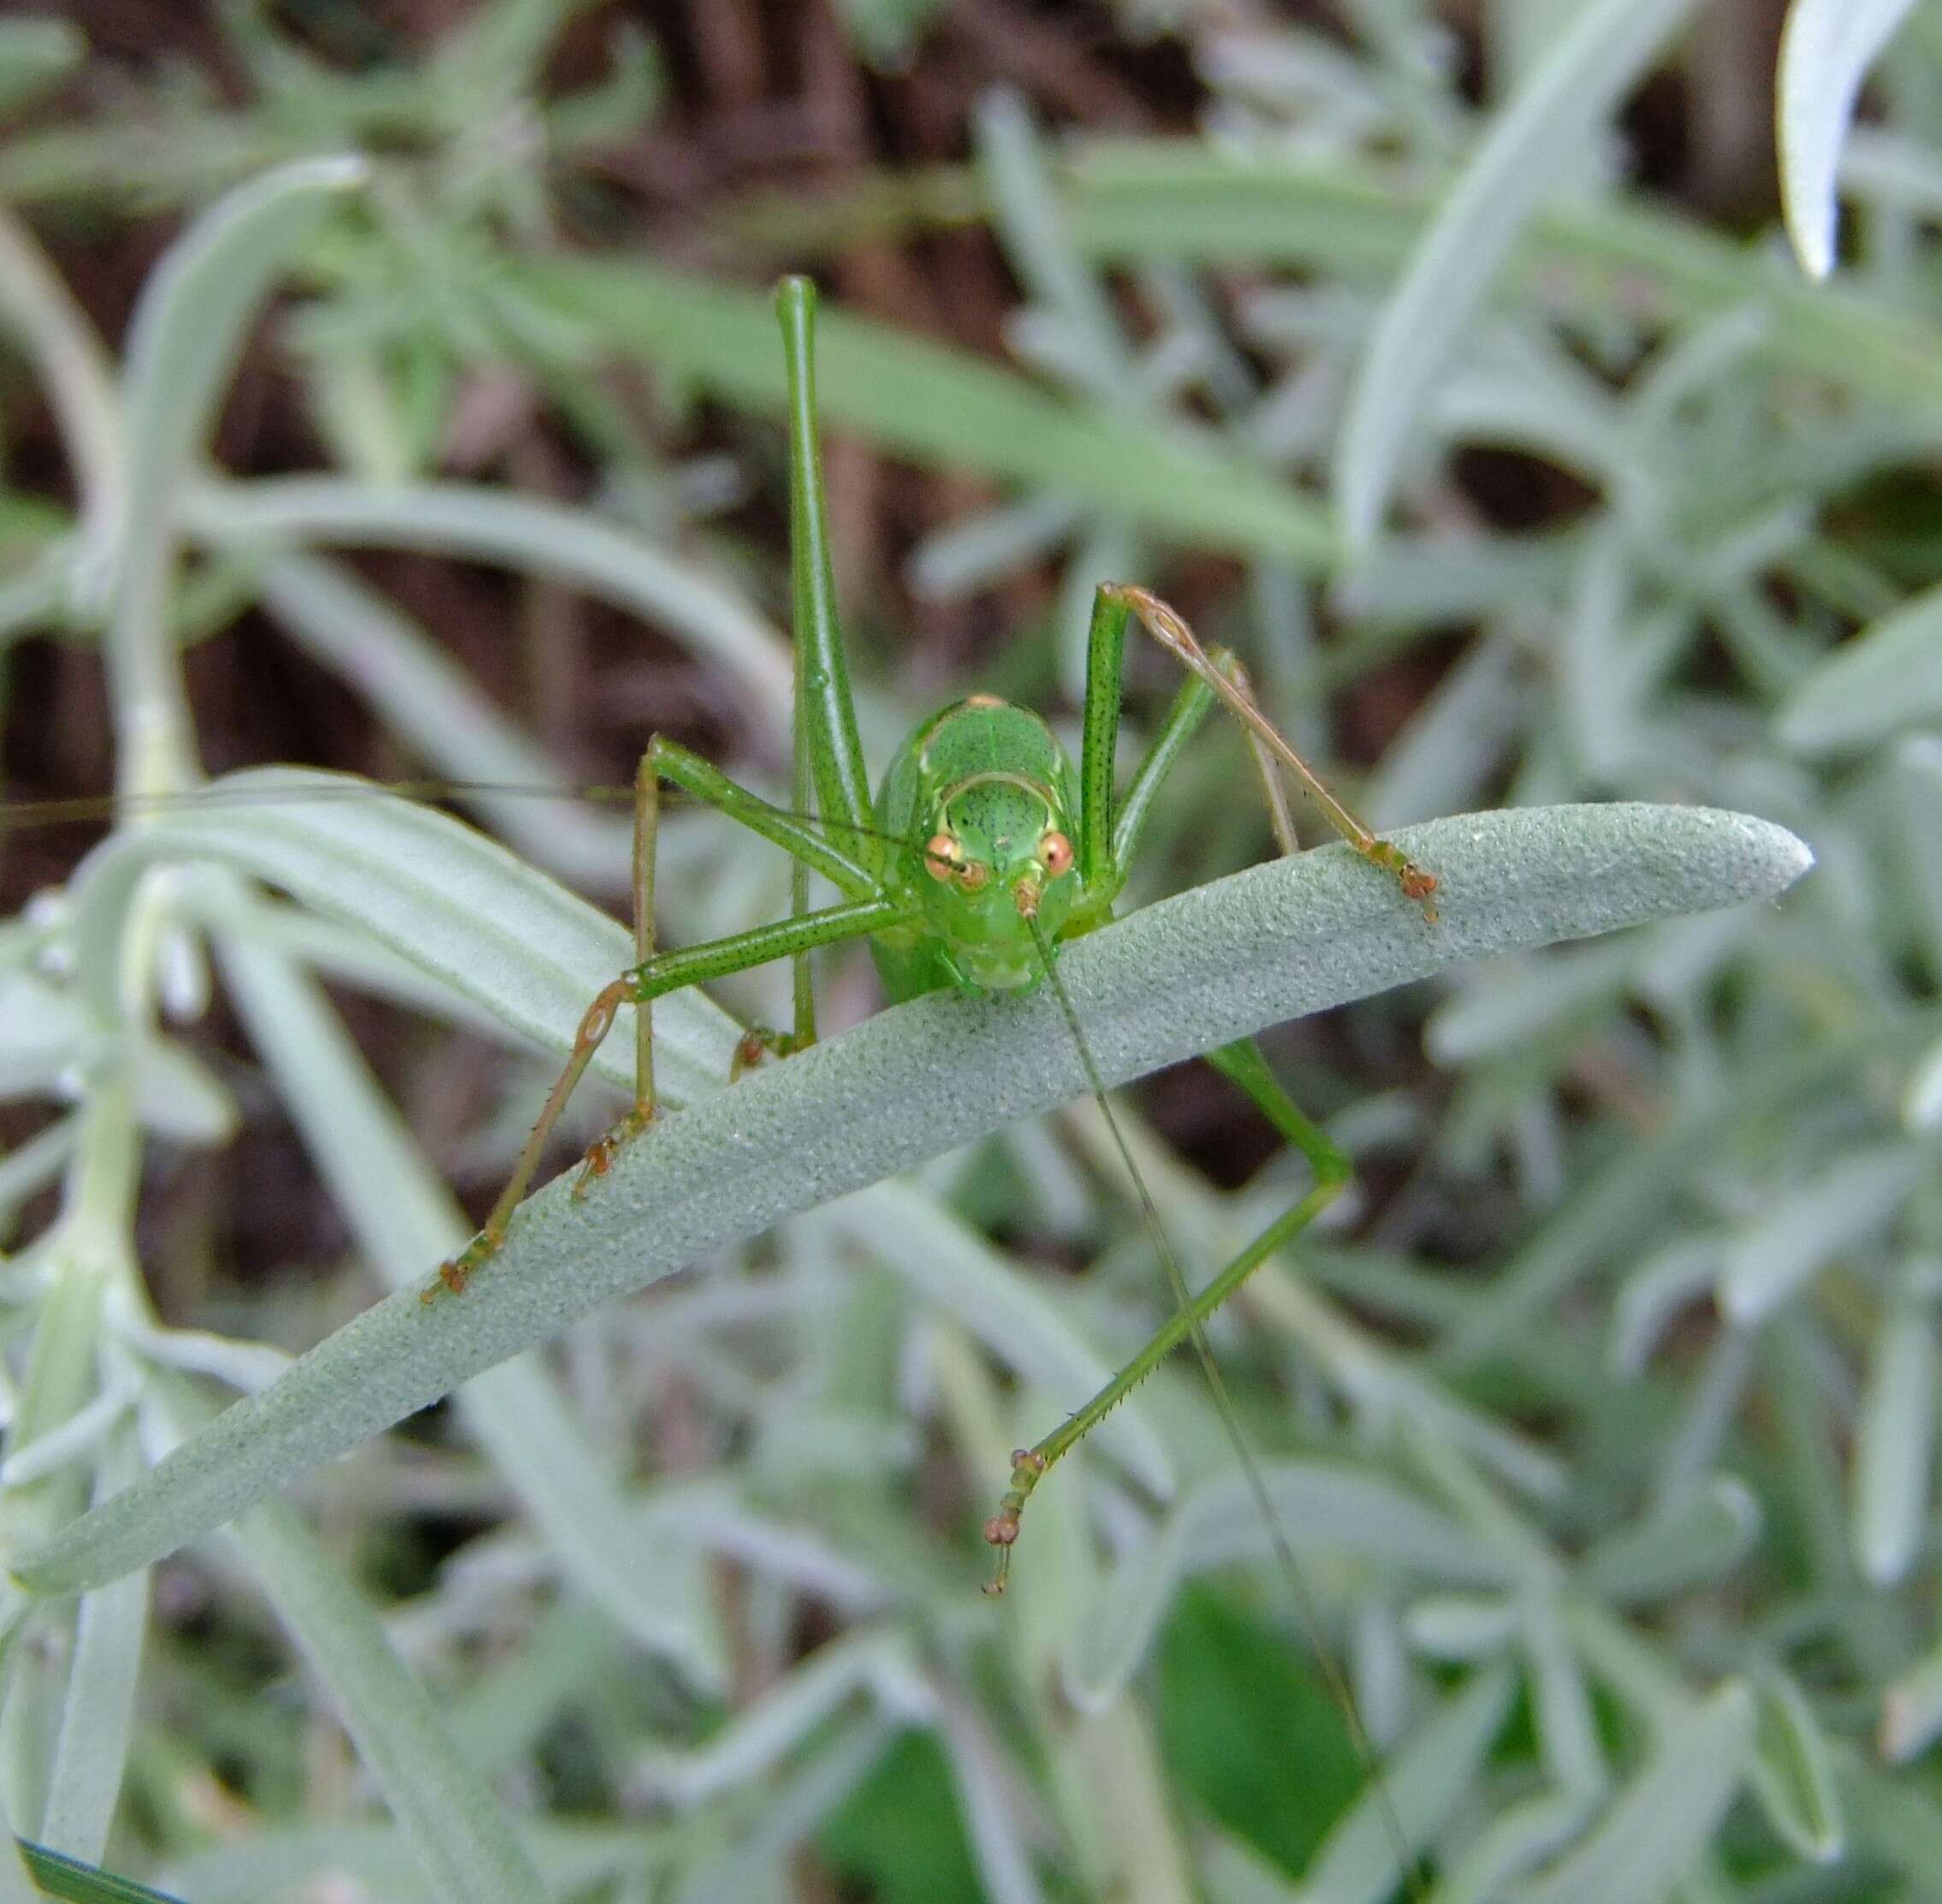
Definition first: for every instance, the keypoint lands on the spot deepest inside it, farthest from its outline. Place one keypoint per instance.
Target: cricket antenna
(1299, 1590)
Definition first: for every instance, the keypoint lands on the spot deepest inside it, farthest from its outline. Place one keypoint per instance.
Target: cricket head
(1000, 857)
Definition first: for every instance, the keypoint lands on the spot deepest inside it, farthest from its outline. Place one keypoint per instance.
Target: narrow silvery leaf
(1845, 1206)
(1705, 1535)
(1655, 1292)
(1451, 1626)
(454, 903)
(1793, 1776)
(1921, 1096)
(98, 1715)
(1887, 678)
(1029, 223)
(427, 698)
(1173, 980)
(1567, 1732)
(1895, 1439)
(1521, 1835)
(756, 1867)
(877, 1662)
(1580, 78)
(1825, 51)
(1508, 1008)
(1647, 1837)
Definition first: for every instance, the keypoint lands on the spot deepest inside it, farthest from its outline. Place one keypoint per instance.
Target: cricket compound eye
(1055, 854)
(943, 858)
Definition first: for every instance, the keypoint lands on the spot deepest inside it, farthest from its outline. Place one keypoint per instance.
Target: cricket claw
(602, 1151)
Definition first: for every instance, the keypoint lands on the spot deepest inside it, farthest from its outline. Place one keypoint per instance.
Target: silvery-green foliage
(1617, 1414)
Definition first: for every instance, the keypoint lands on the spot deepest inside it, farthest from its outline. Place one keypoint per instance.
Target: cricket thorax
(989, 800)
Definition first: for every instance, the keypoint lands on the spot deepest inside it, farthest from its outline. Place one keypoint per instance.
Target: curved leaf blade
(1293, 936)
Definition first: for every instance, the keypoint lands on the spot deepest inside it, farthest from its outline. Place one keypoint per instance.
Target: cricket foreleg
(598, 1020)
(657, 973)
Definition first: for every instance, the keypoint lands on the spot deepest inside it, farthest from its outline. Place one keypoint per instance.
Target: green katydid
(982, 849)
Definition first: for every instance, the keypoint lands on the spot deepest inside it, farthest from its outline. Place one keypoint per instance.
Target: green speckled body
(995, 777)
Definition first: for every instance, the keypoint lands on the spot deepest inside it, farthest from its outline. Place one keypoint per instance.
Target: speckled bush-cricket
(981, 851)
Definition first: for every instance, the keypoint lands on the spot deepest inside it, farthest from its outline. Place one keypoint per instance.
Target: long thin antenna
(1298, 1589)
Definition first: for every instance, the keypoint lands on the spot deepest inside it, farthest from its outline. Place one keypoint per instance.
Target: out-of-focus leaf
(898, 1833)
(1651, 1832)
(97, 1716)
(1254, 1736)
(956, 1268)
(886, 32)
(1328, 1509)
(1707, 1533)
(457, 904)
(188, 331)
(1911, 1710)
(1826, 49)
(1847, 1204)
(656, 1589)
(1887, 678)
(1358, 1865)
(473, 521)
(1575, 85)
(1793, 1775)
(1895, 1437)
(35, 56)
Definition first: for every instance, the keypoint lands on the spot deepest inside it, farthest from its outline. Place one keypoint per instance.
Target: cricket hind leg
(1242, 1063)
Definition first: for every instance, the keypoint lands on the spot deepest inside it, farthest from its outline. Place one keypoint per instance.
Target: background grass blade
(939, 407)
